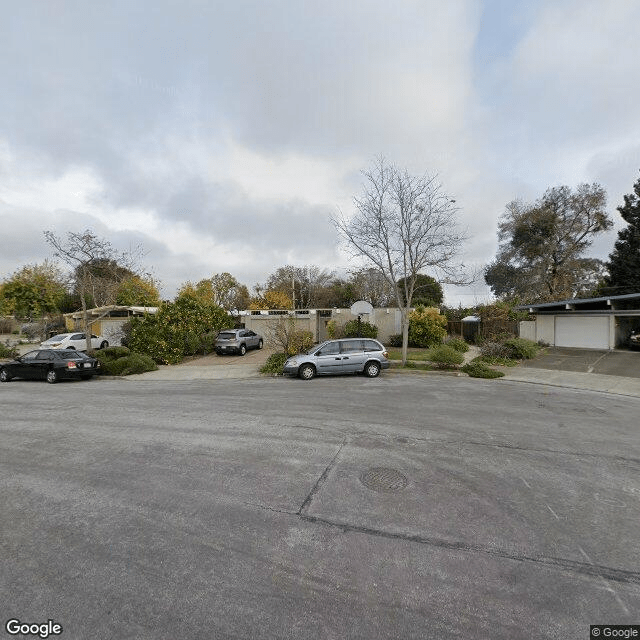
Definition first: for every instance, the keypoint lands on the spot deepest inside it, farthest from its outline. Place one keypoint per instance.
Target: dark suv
(349, 355)
(237, 341)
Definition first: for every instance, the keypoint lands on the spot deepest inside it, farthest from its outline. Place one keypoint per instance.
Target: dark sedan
(50, 365)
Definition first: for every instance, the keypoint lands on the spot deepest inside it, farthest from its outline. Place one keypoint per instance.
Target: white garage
(582, 331)
(588, 323)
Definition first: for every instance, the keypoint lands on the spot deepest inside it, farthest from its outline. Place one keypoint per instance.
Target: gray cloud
(150, 100)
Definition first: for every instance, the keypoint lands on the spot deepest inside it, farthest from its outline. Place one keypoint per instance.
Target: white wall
(527, 330)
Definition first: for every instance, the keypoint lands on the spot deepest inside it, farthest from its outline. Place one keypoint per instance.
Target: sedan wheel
(372, 369)
(307, 371)
(4, 376)
(52, 376)
(260, 345)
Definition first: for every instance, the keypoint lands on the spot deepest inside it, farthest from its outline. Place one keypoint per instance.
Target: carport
(587, 323)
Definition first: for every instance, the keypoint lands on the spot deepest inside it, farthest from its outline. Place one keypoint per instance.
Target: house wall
(527, 330)
(388, 322)
(545, 329)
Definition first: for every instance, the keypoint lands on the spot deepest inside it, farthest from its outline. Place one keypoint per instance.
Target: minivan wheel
(307, 371)
(243, 349)
(372, 369)
(52, 376)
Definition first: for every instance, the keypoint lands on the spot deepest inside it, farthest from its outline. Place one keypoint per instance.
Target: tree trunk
(85, 321)
(404, 319)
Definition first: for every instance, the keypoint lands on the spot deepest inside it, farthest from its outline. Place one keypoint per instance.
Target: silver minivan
(348, 355)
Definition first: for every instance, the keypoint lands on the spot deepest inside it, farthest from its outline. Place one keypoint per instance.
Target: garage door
(586, 333)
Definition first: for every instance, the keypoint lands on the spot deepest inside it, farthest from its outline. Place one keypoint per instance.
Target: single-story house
(388, 321)
(107, 321)
(588, 323)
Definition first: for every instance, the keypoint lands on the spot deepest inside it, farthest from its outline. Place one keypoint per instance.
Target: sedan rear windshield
(60, 336)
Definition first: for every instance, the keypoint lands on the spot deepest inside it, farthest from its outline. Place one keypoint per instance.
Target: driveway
(611, 363)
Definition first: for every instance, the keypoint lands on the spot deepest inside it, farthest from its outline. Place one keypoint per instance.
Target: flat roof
(577, 301)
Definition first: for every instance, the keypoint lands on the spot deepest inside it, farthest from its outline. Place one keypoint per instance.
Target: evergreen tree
(624, 260)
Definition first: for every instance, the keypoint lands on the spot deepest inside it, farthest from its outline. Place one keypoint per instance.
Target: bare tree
(404, 225)
(93, 261)
(371, 285)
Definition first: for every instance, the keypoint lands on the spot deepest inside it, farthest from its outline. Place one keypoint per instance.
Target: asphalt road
(399, 507)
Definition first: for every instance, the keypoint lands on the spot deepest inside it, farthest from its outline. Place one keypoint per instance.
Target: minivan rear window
(351, 346)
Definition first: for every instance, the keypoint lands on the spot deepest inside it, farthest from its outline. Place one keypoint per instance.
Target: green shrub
(492, 350)
(8, 352)
(395, 340)
(477, 369)
(521, 348)
(458, 344)
(176, 330)
(208, 343)
(426, 327)
(275, 363)
(353, 329)
(110, 353)
(7, 325)
(129, 364)
(333, 330)
(446, 357)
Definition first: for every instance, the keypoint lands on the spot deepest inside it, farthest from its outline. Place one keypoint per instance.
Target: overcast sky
(222, 136)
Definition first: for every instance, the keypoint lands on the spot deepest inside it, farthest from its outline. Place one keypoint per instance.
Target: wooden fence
(485, 329)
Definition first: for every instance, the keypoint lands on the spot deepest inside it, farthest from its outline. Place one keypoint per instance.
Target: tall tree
(370, 284)
(403, 225)
(139, 292)
(304, 285)
(427, 291)
(34, 291)
(541, 245)
(624, 260)
(222, 289)
(93, 260)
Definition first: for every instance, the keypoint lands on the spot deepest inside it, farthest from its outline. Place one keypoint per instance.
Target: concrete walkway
(620, 385)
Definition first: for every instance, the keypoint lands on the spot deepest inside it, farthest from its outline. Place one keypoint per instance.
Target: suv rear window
(227, 336)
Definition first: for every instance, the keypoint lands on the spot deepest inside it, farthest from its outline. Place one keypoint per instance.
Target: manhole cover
(383, 479)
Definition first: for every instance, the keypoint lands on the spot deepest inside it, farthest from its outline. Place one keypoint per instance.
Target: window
(352, 346)
(329, 349)
(371, 345)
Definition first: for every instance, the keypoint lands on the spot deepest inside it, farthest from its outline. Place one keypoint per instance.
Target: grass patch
(416, 366)
(478, 369)
(274, 364)
(412, 354)
(497, 361)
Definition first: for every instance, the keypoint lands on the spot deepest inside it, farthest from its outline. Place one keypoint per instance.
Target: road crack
(572, 566)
